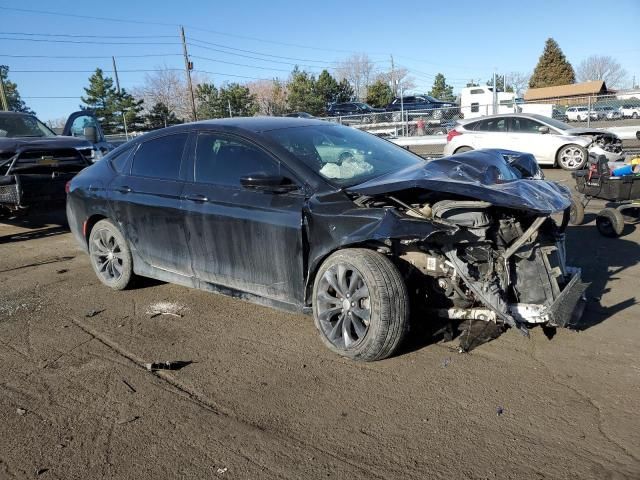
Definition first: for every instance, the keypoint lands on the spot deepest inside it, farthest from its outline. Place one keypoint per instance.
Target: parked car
(351, 108)
(559, 115)
(299, 115)
(580, 114)
(552, 142)
(630, 111)
(607, 112)
(35, 163)
(429, 106)
(313, 216)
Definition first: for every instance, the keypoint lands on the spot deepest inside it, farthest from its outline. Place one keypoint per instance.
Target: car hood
(12, 144)
(502, 177)
(578, 132)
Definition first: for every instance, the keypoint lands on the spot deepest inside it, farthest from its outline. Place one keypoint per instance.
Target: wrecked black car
(306, 215)
(35, 163)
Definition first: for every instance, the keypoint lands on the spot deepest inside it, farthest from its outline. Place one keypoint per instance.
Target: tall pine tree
(440, 89)
(553, 68)
(102, 98)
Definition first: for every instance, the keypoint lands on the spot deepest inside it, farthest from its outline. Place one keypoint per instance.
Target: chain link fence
(589, 111)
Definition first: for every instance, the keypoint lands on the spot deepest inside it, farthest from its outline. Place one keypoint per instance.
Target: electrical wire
(86, 42)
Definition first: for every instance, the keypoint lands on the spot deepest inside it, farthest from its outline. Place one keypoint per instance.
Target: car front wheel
(110, 255)
(572, 157)
(360, 304)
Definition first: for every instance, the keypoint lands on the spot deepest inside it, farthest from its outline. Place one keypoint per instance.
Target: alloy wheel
(343, 305)
(107, 255)
(571, 158)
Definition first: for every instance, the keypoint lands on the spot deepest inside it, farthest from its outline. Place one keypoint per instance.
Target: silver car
(551, 141)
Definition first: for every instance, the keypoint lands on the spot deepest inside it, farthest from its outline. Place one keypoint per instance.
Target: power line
(92, 56)
(73, 35)
(239, 64)
(84, 42)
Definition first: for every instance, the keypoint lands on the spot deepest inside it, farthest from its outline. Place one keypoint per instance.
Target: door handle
(196, 198)
(124, 189)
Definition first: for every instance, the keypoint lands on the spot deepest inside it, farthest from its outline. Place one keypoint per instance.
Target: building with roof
(574, 93)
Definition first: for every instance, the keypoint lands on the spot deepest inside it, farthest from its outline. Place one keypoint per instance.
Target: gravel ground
(262, 398)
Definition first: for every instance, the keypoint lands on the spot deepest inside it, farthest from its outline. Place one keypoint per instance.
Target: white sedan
(551, 141)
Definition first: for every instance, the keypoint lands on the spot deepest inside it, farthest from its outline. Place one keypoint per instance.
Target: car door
(525, 136)
(490, 133)
(241, 238)
(146, 202)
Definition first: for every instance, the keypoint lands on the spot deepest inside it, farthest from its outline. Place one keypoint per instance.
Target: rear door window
(160, 157)
(524, 125)
(224, 160)
(119, 161)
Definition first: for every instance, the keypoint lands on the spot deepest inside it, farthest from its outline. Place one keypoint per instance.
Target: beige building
(572, 94)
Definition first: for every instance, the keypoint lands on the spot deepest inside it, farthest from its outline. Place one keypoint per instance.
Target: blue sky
(462, 39)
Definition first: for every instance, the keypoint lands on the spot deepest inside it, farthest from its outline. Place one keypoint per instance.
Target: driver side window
(224, 160)
(524, 125)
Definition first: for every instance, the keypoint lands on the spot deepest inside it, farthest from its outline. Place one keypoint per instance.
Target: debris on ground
(93, 313)
(21, 411)
(499, 411)
(133, 390)
(220, 471)
(474, 333)
(40, 471)
(175, 365)
(166, 308)
(62, 270)
(128, 420)
(446, 362)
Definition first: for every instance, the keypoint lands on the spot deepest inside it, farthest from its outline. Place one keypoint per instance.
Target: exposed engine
(604, 143)
(501, 266)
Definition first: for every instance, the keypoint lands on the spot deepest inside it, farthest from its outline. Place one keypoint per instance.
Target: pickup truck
(35, 163)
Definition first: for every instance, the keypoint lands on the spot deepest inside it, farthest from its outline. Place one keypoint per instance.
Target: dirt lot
(264, 399)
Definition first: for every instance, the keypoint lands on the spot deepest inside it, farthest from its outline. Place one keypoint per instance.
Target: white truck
(478, 102)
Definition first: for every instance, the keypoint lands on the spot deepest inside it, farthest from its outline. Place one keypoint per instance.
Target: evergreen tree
(129, 107)
(102, 98)
(159, 117)
(238, 99)
(553, 68)
(327, 87)
(207, 100)
(303, 96)
(14, 101)
(440, 89)
(379, 94)
(345, 91)
(217, 103)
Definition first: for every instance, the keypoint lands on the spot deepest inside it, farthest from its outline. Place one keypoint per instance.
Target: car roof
(259, 124)
(15, 114)
(532, 116)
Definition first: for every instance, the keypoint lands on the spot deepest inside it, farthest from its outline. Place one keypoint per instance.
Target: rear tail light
(67, 186)
(452, 133)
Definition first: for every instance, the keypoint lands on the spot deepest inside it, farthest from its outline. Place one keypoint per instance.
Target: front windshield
(14, 126)
(343, 155)
(557, 124)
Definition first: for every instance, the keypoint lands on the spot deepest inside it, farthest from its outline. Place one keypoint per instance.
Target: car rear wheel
(572, 157)
(110, 255)
(360, 304)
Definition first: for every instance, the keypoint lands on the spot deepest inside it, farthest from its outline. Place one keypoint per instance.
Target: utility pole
(124, 118)
(188, 66)
(3, 96)
(393, 77)
(115, 74)
(495, 94)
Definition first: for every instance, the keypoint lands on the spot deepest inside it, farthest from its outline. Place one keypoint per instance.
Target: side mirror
(268, 183)
(543, 129)
(91, 134)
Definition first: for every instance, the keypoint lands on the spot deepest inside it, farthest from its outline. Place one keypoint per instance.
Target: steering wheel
(345, 156)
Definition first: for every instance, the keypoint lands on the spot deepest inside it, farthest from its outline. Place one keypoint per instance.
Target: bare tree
(602, 67)
(271, 96)
(358, 70)
(519, 81)
(168, 87)
(400, 75)
(57, 124)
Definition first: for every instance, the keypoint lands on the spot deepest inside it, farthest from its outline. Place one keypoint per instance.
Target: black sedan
(308, 215)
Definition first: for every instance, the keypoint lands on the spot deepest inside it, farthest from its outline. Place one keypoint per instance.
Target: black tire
(572, 157)
(387, 302)
(110, 255)
(610, 222)
(576, 214)
(463, 149)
